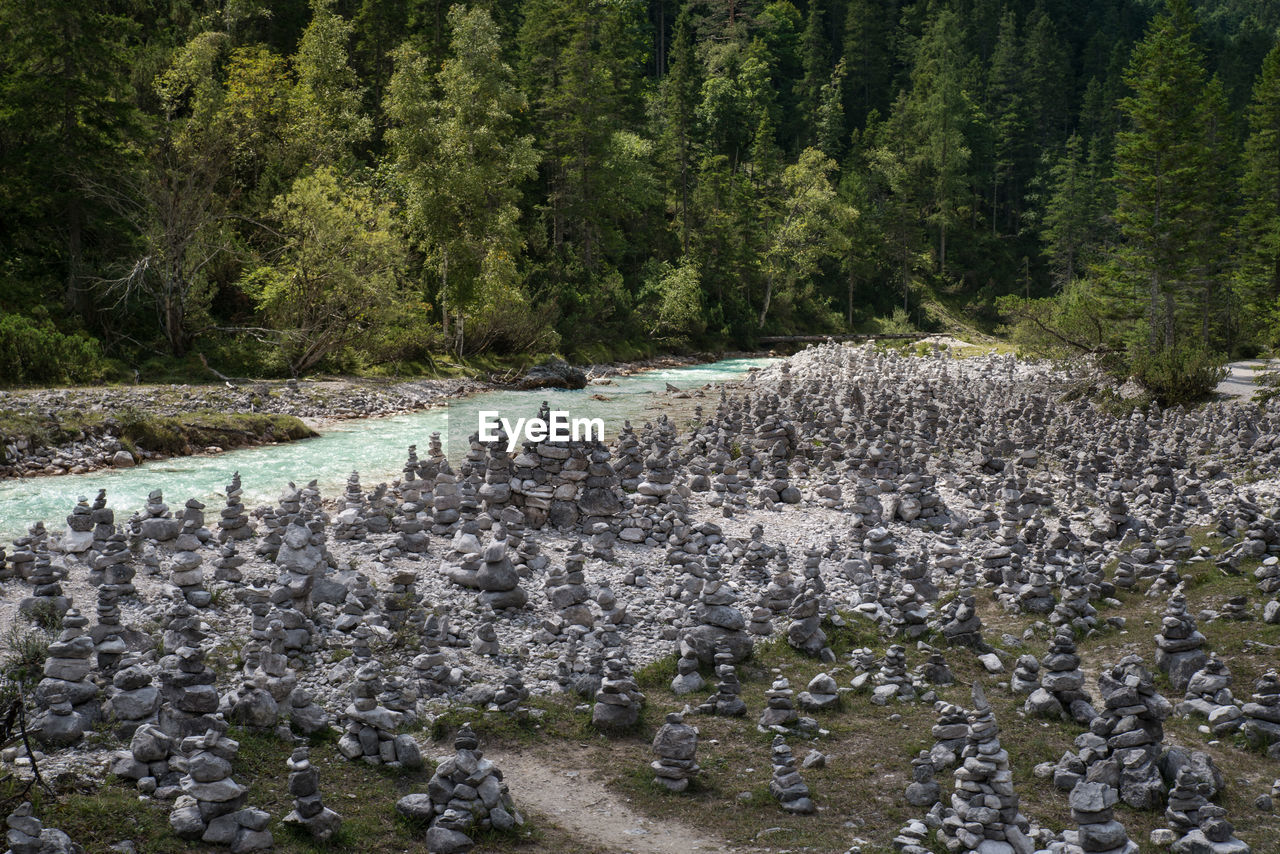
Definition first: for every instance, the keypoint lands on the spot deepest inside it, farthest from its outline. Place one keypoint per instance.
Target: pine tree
(678, 96)
(326, 104)
(1007, 111)
(1258, 244)
(461, 163)
(1160, 160)
(1072, 213)
(869, 50)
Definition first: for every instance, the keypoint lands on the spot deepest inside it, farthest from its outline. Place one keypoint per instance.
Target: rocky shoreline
(50, 432)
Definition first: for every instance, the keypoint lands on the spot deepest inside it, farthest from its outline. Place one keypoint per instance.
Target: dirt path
(571, 794)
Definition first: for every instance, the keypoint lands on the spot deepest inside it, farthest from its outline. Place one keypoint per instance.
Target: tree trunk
(768, 294)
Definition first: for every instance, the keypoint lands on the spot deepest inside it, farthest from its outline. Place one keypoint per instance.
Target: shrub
(25, 651)
(1178, 375)
(34, 351)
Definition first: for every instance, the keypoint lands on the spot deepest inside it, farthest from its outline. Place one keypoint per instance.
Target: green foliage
(34, 351)
(1179, 375)
(25, 651)
(623, 175)
(672, 302)
(336, 272)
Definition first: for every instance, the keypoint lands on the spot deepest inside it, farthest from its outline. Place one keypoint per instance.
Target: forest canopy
(292, 186)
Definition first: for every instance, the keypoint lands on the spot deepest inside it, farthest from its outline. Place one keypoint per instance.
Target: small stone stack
(513, 693)
(320, 822)
(805, 629)
(1179, 645)
(1061, 693)
(158, 523)
(1191, 792)
(189, 698)
(1262, 714)
(1026, 675)
(1209, 696)
(960, 623)
(1093, 809)
(79, 535)
(780, 710)
(211, 808)
(923, 791)
(466, 794)
(498, 580)
(787, 785)
(233, 524)
(984, 814)
(26, 834)
(892, 681)
(370, 727)
(44, 577)
(618, 701)
(1128, 734)
(226, 567)
(445, 503)
(132, 700)
(726, 701)
(349, 523)
(67, 690)
(822, 693)
(186, 573)
(676, 744)
(567, 590)
(721, 625)
(1214, 835)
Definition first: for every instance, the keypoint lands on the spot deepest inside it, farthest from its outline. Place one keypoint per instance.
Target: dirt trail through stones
(571, 794)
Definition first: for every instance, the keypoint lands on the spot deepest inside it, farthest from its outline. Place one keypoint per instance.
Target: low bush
(1178, 375)
(35, 352)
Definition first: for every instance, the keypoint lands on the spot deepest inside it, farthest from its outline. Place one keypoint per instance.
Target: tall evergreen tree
(1258, 245)
(461, 163)
(1160, 160)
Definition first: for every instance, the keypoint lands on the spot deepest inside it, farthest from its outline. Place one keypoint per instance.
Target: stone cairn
(1127, 735)
(43, 576)
(1209, 696)
(726, 701)
(1061, 692)
(157, 522)
(187, 574)
(822, 693)
(233, 524)
(370, 727)
(787, 785)
(466, 794)
(211, 808)
(1262, 714)
(984, 814)
(78, 538)
(308, 813)
(1178, 646)
(1093, 810)
(676, 744)
(720, 624)
(617, 705)
(67, 693)
(26, 834)
(780, 710)
(132, 700)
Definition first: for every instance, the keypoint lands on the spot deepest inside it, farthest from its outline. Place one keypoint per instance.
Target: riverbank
(74, 430)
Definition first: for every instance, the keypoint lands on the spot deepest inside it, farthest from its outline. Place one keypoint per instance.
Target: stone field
(861, 602)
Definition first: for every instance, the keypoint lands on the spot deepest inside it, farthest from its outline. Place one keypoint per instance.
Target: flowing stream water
(375, 447)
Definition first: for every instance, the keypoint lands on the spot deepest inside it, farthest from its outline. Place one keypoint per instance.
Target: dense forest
(283, 187)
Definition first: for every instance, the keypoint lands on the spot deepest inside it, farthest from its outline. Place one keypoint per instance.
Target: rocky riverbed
(47, 432)
(802, 567)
